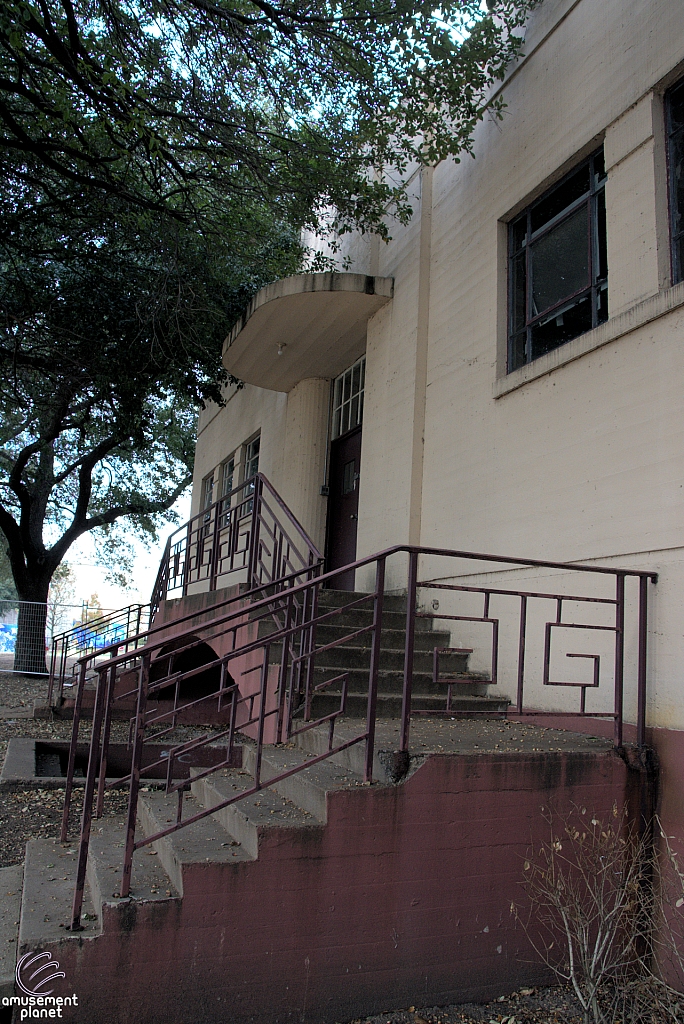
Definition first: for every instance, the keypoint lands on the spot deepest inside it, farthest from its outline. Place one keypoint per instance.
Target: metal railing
(92, 638)
(248, 536)
(525, 623)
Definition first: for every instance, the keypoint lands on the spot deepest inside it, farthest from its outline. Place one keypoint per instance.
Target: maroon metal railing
(248, 536)
(274, 637)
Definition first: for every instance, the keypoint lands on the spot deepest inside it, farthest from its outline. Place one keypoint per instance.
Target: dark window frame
(593, 199)
(675, 141)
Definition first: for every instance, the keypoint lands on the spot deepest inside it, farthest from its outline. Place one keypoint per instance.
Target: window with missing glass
(557, 265)
(348, 398)
(674, 110)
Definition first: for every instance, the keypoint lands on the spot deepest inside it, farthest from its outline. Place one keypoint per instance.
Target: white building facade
(507, 374)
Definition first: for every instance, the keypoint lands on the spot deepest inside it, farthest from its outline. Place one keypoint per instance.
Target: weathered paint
(403, 897)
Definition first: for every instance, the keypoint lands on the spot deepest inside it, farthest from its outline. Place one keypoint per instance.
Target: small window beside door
(348, 398)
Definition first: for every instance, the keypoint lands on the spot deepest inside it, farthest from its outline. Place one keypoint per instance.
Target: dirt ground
(527, 1006)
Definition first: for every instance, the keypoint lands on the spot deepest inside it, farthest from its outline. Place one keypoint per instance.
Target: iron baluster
(86, 818)
(408, 650)
(641, 678)
(71, 765)
(619, 654)
(374, 666)
(521, 653)
(111, 681)
(136, 761)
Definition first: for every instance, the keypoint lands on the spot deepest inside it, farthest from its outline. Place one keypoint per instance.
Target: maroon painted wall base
(402, 898)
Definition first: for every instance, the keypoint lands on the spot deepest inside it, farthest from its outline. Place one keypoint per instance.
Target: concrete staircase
(353, 657)
(319, 899)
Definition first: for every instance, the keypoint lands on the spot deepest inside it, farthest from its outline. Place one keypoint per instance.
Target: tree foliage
(198, 105)
(158, 161)
(108, 343)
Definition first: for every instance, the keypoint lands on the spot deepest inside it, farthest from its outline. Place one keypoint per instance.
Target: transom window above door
(348, 398)
(557, 265)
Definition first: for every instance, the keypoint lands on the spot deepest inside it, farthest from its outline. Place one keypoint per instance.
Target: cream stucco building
(507, 374)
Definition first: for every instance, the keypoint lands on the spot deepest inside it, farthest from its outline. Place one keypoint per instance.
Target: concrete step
(335, 598)
(352, 759)
(309, 788)
(358, 655)
(250, 820)
(354, 618)
(389, 705)
(11, 882)
(392, 639)
(392, 681)
(48, 894)
(198, 845)
(149, 880)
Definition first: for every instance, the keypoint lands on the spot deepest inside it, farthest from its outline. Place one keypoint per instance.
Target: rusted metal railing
(267, 685)
(248, 536)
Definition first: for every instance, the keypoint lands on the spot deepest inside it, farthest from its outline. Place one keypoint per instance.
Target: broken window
(558, 272)
(674, 109)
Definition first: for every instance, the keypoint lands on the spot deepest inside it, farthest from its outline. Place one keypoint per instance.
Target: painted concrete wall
(406, 890)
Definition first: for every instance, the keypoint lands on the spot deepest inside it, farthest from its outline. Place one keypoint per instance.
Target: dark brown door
(343, 506)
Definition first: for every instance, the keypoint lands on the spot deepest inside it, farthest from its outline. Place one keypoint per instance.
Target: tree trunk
(29, 649)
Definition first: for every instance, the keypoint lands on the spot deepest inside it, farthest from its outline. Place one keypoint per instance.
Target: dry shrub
(605, 914)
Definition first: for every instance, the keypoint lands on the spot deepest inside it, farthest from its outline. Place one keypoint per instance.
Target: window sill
(615, 327)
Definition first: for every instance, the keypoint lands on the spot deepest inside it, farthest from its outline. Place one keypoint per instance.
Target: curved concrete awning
(317, 321)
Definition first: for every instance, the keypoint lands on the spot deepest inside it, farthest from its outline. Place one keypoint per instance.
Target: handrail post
(186, 560)
(51, 680)
(374, 666)
(106, 730)
(619, 656)
(136, 761)
(641, 679)
(86, 818)
(76, 721)
(282, 674)
(214, 546)
(253, 560)
(408, 649)
(521, 655)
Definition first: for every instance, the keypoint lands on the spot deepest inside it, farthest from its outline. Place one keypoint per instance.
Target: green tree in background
(196, 107)
(109, 342)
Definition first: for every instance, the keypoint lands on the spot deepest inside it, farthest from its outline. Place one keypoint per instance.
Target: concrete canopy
(317, 322)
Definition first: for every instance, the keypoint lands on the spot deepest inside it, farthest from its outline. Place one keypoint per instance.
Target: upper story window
(208, 491)
(557, 265)
(252, 458)
(227, 475)
(674, 108)
(348, 398)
